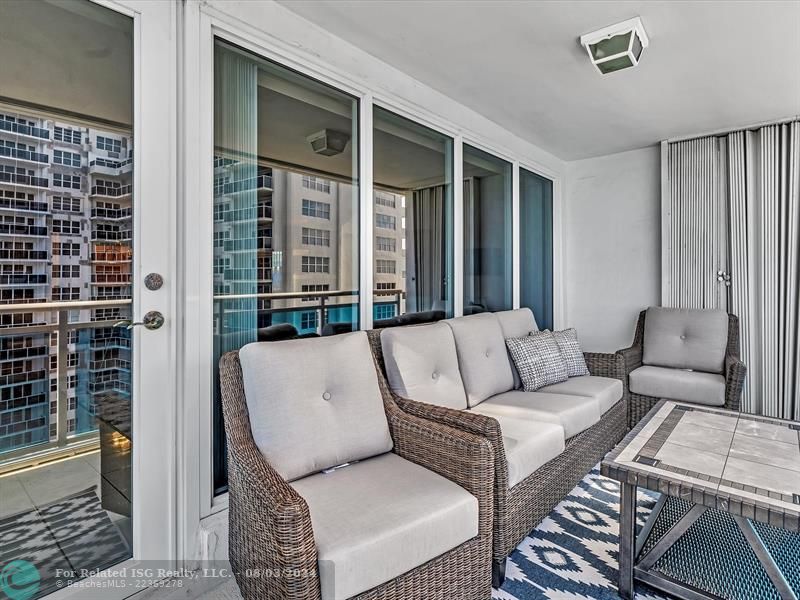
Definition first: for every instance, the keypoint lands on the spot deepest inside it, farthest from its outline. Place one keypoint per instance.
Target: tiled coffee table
(728, 520)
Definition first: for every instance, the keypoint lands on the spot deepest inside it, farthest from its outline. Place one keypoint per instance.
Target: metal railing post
(62, 404)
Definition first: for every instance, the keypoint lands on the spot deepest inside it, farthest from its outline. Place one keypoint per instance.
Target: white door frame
(154, 407)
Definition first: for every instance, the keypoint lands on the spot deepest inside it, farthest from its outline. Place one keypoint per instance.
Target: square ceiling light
(616, 47)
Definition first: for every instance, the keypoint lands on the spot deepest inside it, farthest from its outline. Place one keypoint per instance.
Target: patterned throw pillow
(571, 352)
(538, 360)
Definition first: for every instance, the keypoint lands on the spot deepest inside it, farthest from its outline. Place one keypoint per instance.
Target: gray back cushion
(516, 324)
(421, 364)
(314, 403)
(685, 338)
(482, 356)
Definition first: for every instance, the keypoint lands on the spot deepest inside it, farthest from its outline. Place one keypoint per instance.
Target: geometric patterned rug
(71, 534)
(573, 552)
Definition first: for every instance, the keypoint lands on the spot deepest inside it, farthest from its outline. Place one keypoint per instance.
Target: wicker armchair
(271, 539)
(734, 370)
(519, 509)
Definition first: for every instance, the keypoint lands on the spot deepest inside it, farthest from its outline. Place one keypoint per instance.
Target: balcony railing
(20, 154)
(99, 164)
(111, 236)
(112, 278)
(19, 204)
(22, 129)
(19, 179)
(22, 230)
(36, 348)
(22, 279)
(259, 182)
(112, 214)
(111, 191)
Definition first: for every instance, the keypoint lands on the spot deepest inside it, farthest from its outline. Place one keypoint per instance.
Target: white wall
(612, 228)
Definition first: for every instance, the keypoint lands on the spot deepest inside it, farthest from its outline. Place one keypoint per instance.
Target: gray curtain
(428, 252)
(764, 183)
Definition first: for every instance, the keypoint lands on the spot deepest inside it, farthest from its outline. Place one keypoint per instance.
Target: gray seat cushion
(606, 390)
(421, 364)
(380, 518)
(528, 444)
(685, 339)
(314, 403)
(573, 413)
(689, 386)
(482, 356)
(516, 323)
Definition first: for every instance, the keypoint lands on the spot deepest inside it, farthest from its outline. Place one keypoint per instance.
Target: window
(67, 271)
(308, 320)
(68, 159)
(312, 208)
(314, 183)
(385, 200)
(66, 227)
(385, 244)
(316, 237)
(314, 287)
(109, 144)
(66, 249)
(385, 266)
(69, 136)
(66, 293)
(385, 221)
(384, 311)
(66, 204)
(316, 264)
(384, 285)
(536, 246)
(67, 181)
(487, 232)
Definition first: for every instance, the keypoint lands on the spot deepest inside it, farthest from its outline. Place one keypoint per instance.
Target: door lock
(152, 320)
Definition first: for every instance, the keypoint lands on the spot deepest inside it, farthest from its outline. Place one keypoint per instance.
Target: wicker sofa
(687, 355)
(457, 373)
(418, 505)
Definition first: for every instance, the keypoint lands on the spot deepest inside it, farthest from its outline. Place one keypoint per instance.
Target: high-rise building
(65, 236)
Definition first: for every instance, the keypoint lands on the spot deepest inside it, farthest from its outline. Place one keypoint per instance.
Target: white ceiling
(710, 65)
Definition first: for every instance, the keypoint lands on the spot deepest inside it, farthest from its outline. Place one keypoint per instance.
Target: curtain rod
(720, 132)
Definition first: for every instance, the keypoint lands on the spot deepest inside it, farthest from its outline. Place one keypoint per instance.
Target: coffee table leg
(627, 539)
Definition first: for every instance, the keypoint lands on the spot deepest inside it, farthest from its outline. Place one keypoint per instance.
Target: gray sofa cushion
(538, 360)
(482, 357)
(685, 339)
(606, 390)
(571, 352)
(528, 444)
(422, 364)
(380, 518)
(516, 323)
(689, 386)
(314, 403)
(573, 413)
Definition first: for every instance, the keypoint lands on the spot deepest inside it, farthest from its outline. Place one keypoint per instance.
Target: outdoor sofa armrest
(735, 373)
(604, 364)
(632, 357)
(271, 542)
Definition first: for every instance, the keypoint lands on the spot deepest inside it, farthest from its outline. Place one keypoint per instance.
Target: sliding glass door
(536, 246)
(286, 213)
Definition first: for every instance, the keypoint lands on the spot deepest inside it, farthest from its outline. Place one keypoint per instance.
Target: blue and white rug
(573, 552)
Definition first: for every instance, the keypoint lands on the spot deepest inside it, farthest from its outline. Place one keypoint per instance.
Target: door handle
(152, 320)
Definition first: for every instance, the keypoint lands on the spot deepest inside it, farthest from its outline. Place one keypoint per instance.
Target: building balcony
(111, 257)
(113, 168)
(105, 191)
(22, 378)
(24, 155)
(111, 214)
(24, 180)
(258, 183)
(25, 130)
(111, 278)
(23, 279)
(16, 230)
(111, 236)
(23, 255)
(19, 205)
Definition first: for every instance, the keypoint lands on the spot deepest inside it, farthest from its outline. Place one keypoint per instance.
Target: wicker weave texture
(271, 540)
(519, 510)
(735, 370)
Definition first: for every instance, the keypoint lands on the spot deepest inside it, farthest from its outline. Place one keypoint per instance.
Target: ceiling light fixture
(617, 46)
(328, 142)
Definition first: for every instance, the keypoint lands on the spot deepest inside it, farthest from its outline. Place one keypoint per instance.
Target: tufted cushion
(605, 390)
(538, 360)
(482, 356)
(314, 403)
(685, 339)
(421, 364)
(516, 323)
(689, 386)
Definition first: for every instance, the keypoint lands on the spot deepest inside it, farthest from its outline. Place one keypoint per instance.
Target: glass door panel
(536, 246)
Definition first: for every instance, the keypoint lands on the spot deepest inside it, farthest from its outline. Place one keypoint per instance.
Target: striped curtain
(732, 241)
